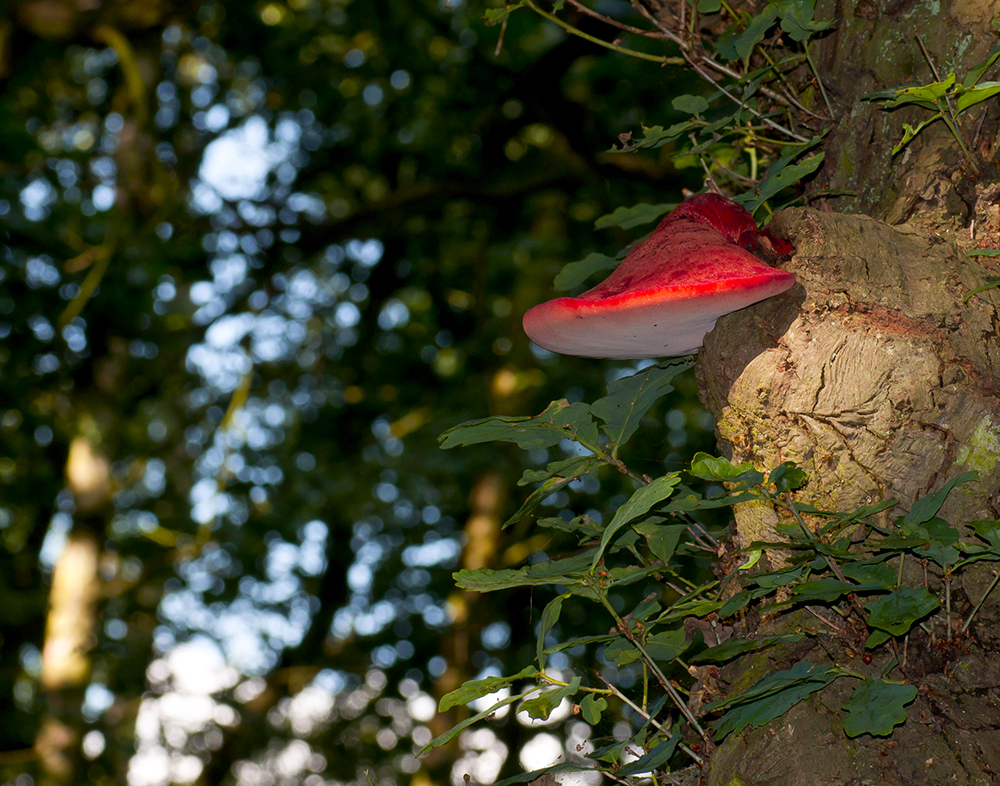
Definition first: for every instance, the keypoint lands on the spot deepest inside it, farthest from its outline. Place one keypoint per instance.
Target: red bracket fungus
(670, 290)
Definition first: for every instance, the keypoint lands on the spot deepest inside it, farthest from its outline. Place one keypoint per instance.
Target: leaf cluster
(652, 537)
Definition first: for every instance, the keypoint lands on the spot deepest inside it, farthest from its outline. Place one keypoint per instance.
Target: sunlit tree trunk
(71, 624)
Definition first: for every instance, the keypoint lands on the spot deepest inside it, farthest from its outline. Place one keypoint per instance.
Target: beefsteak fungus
(670, 290)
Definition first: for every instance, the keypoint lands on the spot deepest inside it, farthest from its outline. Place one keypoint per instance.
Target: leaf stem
(989, 589)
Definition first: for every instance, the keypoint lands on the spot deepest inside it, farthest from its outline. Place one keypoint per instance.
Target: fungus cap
(668, 292)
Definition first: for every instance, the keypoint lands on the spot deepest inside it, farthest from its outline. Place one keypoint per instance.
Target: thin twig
(989, 589)
(594, 40)
(823, 619)
(648, 717)
(677, 699)
(613, 22)
(819, 79)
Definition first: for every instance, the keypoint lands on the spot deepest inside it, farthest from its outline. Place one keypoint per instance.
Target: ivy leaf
(591, 708)
(560, 420)
(876, 707)
(550, 616)
(637, 505)
(743, 43)
(896, 612)
(771, 698)
(628, 217)
(630, 398)
(476, 689)
(657, 757)
(709, 6)
(577, 272)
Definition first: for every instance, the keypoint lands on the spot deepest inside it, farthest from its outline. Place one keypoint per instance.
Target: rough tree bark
(875, 376)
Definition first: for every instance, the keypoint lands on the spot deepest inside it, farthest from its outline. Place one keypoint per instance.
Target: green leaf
(476, 689)
(493, 15)
(771, 698)
(662, 539)
(657, 757)
(565, 468)
(899, 610)
(637, 505)
(591, 708)
(797, 18)
(876, 707)
(657, 136)
(709, 6)
(974, 95)
(909, 132)
(782, 174)
(732, 647)
(550, 616)
(528, 777)
(978, 70)
(828, 590)
(540, 707)
(787, 477)
(988, 530)
(569, 572)
(930, 96)
(628, 217)
(691, 105)
(984, 252)
(630, 398)
(876, 638)
(709, 467)
(744, 43)
(983, 288)
(665, 646)
(622, 652)
(577, 272)
(550, 486)
(560, 420)
(458, 728)
(926, 507)
(870, 573)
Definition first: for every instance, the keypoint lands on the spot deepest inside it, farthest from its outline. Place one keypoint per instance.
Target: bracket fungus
(670, 290)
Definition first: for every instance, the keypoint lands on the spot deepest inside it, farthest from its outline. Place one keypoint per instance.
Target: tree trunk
(875, 377)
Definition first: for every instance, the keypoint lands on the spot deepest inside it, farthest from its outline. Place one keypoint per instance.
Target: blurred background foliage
(254, 257)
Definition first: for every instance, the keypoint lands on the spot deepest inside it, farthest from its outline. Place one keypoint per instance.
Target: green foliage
(641, 540)
(877, 707)
(946, 98)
